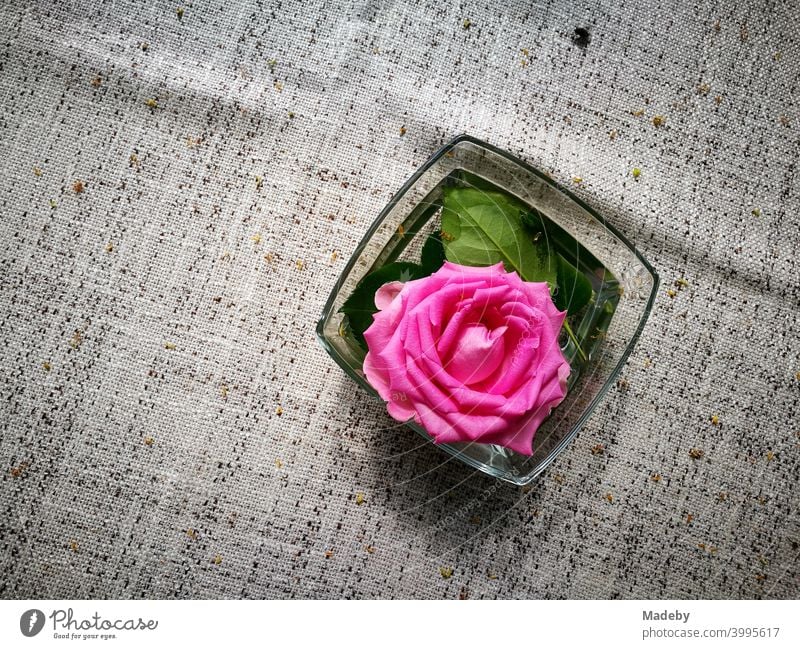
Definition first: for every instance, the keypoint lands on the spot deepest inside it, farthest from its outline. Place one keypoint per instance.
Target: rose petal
(477, 354)
(386, 294)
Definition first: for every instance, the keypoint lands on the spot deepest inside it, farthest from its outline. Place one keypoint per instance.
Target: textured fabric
(179, 194)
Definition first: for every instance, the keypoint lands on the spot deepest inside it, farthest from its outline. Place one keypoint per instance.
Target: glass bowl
(624, 286)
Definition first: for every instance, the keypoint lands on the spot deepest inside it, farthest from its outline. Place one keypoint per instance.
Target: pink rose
(469, 353)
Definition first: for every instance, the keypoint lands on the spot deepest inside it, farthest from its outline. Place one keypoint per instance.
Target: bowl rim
(527, 478)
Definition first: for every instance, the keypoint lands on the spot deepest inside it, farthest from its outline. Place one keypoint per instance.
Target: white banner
(377, 624)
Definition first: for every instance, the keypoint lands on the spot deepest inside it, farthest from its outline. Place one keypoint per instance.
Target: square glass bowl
(624, 286)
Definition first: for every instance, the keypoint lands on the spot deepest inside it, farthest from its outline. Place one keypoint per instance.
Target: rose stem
(572, 337)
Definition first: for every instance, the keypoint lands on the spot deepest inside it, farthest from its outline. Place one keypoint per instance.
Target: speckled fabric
(179, 192)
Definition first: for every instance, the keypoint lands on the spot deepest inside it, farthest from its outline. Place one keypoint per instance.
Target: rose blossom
(469, 353)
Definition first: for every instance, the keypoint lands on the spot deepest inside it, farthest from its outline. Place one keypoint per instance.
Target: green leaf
(457, 199)
(574, 289)
(482, 228)
(360, 306)
(533, 221)
(432, 256)
(536, 224)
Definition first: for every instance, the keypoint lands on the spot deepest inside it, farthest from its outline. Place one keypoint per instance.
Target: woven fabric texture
(180, 188)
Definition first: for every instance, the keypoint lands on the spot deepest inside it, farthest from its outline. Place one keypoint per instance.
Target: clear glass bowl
(623, 281)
